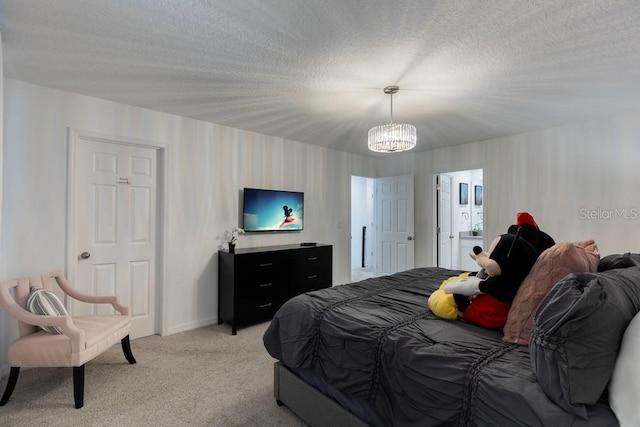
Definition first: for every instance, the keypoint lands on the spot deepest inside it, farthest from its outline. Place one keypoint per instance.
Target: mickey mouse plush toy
(484, 299)
(530, 231)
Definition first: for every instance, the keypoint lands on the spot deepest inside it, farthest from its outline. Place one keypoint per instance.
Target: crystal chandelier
(392, 137)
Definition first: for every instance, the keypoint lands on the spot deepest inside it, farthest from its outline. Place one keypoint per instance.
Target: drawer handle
(266, 264)
(265, 305)
(313, 258)
(264, 285)
(312, 276)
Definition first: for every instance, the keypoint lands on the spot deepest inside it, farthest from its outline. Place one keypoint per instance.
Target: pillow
(577, 333)
(614, 261)
(552, 265)
(624, 389)
(46, 303)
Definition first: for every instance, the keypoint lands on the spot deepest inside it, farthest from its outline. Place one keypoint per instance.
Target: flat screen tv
(272, 210)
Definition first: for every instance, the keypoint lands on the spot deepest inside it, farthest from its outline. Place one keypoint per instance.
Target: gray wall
(579, 182)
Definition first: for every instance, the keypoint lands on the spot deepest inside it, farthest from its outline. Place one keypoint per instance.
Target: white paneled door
(394, 224)
(115, 227)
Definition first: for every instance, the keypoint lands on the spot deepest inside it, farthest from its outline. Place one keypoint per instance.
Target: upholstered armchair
(68, 341)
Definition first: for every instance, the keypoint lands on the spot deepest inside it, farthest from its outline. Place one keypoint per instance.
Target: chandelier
(392, 137)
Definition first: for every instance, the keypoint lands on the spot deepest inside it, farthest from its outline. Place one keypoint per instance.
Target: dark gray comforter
(378, 341)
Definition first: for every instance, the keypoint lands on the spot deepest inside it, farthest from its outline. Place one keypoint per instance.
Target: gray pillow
(46, 303)
(614, 261)
(577, 333)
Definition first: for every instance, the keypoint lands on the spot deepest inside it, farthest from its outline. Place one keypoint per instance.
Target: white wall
(207, 165)
(570, 178)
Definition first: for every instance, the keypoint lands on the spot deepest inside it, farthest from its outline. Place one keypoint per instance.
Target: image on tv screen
(272, 210)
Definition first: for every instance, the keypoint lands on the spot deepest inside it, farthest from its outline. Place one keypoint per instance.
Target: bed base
(307, 402)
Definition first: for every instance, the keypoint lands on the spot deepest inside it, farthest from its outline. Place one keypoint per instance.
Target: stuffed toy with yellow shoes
(441, 303)
(484, 298)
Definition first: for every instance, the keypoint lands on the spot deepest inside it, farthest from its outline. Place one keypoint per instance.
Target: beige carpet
(204, 377)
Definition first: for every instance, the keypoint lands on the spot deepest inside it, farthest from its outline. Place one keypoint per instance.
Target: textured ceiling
(313, 70)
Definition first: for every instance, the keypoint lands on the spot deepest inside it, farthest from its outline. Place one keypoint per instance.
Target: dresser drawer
(260, 287)
(254, 268)
(312, 256)
(310, 282)
(251, 308)
(311, 269)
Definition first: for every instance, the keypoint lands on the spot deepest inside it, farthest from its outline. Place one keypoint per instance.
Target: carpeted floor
(203, 377)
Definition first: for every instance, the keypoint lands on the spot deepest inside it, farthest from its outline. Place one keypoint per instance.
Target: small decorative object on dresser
(230, 237)
(253, 283)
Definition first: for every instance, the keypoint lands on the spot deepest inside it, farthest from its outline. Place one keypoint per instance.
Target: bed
(372, 353)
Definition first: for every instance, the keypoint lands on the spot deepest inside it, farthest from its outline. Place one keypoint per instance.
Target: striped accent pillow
(46, 303)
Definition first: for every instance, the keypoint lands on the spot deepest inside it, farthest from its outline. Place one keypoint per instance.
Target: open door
(394, 224)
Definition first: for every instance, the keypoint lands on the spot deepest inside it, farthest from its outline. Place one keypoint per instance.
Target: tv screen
(272, 210)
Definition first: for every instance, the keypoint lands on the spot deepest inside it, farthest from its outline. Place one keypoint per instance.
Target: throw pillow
(626, 260)
(577, 333)
(624, 388)
(46, 303)
(552, 265)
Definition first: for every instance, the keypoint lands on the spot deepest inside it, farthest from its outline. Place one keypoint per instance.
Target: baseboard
(192, 325)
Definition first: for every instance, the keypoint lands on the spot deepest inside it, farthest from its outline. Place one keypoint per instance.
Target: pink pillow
(552, 265)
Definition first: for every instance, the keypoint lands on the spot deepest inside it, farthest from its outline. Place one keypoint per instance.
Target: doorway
(459, 225)
(113, 233)
(394, 214)
(382, 226)
(362, 226)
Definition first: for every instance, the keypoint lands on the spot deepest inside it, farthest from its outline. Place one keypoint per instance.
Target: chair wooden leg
(126, 349)
(11, 384)
(78, 386)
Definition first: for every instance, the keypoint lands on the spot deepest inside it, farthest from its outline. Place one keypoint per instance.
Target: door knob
(85, 255)
(410, 238)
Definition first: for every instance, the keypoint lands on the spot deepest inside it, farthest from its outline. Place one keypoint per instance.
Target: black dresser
(253, 283)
